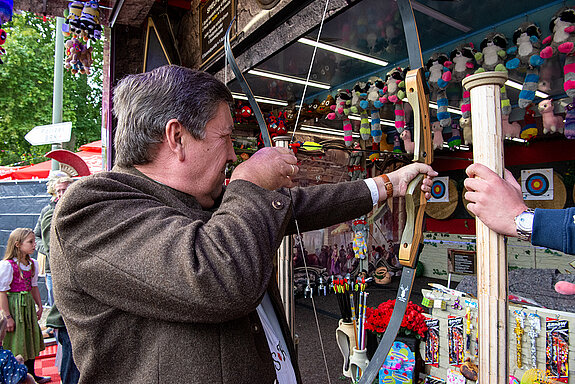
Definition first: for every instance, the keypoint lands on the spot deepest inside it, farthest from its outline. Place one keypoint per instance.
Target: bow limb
(246, 88)
(415, 201)
(418, 97)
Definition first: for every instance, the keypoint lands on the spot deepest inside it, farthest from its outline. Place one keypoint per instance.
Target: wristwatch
(524, 224)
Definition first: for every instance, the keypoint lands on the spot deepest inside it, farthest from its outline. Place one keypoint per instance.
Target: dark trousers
(68, 371)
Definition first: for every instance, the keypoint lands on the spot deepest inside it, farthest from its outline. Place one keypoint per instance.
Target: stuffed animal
(72, 25)
(493, 53)
(465, 124)
(374, 93)
(529, 130)
(408, 144)
(510, 129)
(526, 51)
(437, 135)
(465, 104)
(90, 19)
(394, 92)
(6, 11)
(86, 59)
(551, 123)
(281, 120)
(455, 140)
(439, 76)
(569, 121)
(3, 36)
(360, 104)
(73, 49)
(563, 41)
(463, 59)
(325, 106)
(341, 110)
(355, 170)
(360, 228)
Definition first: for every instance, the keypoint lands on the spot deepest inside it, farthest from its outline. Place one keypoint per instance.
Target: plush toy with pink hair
(563, 41)
(551, 122)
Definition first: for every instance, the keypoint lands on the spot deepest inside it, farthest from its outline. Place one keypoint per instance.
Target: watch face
(525, 221)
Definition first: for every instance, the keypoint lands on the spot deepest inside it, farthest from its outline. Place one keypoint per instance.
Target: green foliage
(26, 87)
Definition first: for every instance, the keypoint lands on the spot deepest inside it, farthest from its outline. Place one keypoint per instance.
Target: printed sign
(440, 190)
(215, 17)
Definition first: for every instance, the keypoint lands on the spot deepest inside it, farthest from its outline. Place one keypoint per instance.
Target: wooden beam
(492, 287)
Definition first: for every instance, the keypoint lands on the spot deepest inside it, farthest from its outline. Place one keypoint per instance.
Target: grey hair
(145, 102)
(58, 179)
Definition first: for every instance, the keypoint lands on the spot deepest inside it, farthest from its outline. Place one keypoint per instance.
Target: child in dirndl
(20, 299)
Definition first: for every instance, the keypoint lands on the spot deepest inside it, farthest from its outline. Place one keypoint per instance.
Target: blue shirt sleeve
(555, 229)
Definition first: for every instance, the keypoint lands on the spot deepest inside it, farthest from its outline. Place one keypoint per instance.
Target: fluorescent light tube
(259, 99)
(327, 131)
(516, 85)
(290, 79)
(345, 52)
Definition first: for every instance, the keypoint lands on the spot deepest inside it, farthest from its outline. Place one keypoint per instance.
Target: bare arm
(36, 296)
(4, 306)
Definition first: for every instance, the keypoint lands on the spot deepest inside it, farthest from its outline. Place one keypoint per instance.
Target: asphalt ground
(310, 357)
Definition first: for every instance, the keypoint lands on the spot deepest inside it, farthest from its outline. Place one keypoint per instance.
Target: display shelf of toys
(539, 347)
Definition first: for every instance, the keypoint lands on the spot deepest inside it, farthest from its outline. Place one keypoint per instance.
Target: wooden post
(285, 264)
(492, 288)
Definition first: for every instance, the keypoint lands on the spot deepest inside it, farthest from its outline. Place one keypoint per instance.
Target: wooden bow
(415, 201)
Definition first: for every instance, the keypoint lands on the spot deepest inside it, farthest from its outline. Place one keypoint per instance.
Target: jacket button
(256, 329)
(277, 204)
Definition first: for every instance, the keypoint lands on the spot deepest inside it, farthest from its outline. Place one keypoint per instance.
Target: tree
(26, 87)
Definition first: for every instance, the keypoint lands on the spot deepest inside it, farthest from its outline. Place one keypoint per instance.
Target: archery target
(537, 184)
(440, 190)
(446, 206)
(556, 189)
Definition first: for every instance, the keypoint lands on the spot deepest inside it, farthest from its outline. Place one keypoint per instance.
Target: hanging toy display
(526, 57)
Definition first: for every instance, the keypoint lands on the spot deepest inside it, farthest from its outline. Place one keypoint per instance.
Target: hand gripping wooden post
(492, 288)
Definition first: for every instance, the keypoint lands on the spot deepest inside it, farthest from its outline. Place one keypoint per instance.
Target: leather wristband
(388, 185)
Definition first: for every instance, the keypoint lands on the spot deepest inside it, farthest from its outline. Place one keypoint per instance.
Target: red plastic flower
(413, 323)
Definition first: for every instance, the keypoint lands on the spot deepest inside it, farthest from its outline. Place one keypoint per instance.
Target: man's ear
(174, 133)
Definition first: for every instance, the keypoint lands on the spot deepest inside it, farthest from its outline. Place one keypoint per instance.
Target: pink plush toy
(551, 123)
(408, 144)
(565, 288)
(510, 129)
(437, 135)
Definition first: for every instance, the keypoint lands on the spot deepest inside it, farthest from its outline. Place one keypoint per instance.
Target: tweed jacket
(155, 289)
